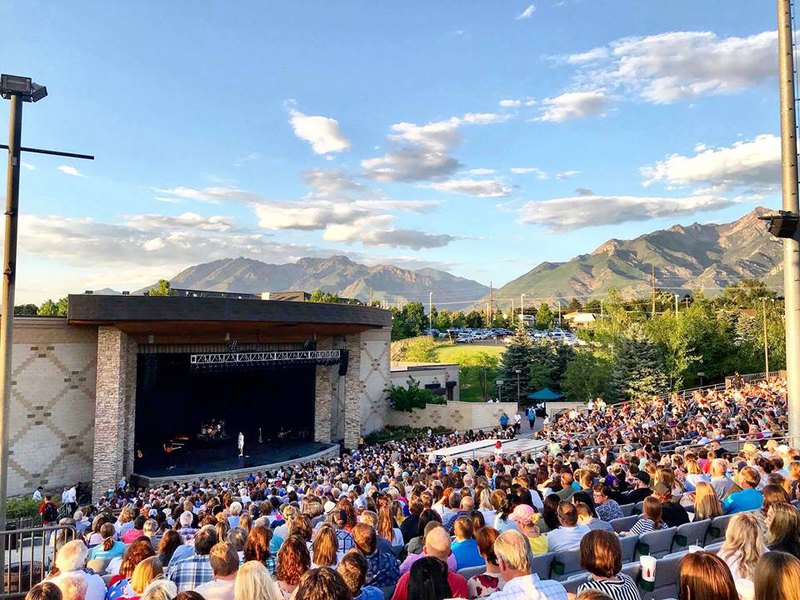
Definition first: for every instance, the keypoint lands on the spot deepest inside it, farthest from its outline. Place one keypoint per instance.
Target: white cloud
(584, 210)
(485, 118)
(679, 65)
(527, 13)
(28, 166)
(480, 172)
(482, 188)
(437, 136)
(510, 103)
(529, 171)
(574, 105)
(209, 195)
(422, 152)
(566, 175)
(70, 170)
(323, 133)
(755, 164)
(590, 56)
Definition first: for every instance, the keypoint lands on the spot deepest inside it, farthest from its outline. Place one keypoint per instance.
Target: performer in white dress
(240, 444)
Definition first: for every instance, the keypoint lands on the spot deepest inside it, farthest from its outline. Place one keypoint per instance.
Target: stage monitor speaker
(345, 357)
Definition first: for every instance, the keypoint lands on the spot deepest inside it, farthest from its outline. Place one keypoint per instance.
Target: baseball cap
(662, 490)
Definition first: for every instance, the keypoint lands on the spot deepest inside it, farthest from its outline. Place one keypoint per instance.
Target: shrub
(22, 507)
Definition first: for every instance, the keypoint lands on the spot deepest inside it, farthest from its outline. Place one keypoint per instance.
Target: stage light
(783, 224)
(14, 84)
(24, 87)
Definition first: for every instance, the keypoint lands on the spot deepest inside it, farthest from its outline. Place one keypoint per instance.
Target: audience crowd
(386, 522)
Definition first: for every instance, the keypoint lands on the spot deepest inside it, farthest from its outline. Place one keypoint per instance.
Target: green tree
(421, 349)
(474, 319)
(410, 397)
(544, 317)
(325, 297)
(478, 371)
(442, 320)
(26, 310)
(639, 366)
(162, 288)
(517, 358)
(408, 321)
(746, 293)
(587, 376)
(60, 308)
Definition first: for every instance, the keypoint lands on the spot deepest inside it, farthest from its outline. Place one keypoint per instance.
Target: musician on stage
(240, 444)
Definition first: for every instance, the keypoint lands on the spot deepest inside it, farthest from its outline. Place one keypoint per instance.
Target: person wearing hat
(526, 519)
(672, 512)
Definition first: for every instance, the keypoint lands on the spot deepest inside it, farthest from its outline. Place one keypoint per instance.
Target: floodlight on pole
(17, 90)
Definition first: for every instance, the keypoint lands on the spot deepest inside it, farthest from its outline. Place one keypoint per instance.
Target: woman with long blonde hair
(253, 582)
(706, 503)
(486, 506)
(145, 572)
(744, 544)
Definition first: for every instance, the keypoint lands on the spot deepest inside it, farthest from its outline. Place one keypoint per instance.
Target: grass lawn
(458, 353)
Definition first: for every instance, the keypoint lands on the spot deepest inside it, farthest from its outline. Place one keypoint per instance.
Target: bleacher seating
(565, 564)
(666, 583)
(468, 572)
(541, 564)
(624, 524)
(716, 531)
(628, 543)
(627, 509)
(574, 582)
(656, 543)
(691, 533)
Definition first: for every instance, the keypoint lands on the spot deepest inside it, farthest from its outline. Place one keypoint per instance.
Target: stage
(223, 461)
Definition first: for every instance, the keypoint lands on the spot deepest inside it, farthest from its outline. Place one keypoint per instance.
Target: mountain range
(704, 257)
(337, 274)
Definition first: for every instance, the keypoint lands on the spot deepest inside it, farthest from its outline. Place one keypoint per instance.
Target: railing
(28, 556)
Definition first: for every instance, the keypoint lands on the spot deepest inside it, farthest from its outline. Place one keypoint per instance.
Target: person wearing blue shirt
(749, 498)
(465, 548)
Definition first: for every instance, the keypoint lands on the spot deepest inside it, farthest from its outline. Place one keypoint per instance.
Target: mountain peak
(685, 258)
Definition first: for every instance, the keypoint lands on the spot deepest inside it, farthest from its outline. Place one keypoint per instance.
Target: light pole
(677, 298)
(517, 371)
(766, 342)
(430, 313)
(500, 390)
(521, 307)
(17, 90)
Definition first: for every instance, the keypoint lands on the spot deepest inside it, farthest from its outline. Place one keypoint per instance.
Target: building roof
(181, 316)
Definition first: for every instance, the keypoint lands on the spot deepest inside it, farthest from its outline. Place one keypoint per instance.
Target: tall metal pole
(7, 317)
(677, 297)
(791, 248)
(766, 343)
(521, 307)
(430, 311)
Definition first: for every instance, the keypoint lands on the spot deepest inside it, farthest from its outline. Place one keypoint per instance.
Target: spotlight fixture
(782, 224)
(24, 87)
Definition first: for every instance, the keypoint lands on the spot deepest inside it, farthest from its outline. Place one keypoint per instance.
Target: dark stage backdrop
(172, 399)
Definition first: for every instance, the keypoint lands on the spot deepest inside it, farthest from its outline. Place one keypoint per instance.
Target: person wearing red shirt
(436, 545)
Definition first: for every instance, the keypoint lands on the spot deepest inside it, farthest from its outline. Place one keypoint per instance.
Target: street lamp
(17, 90)
(500, 390)
(521, 306)
(677, 298)
(517, 371)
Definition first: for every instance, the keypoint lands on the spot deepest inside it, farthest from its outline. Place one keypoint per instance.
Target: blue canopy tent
(545, 395)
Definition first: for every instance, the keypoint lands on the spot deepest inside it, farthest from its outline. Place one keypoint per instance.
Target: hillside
(695, 257)
(337, 274)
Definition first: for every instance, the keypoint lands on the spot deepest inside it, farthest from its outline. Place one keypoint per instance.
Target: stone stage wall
(52, 425)
(454, 415)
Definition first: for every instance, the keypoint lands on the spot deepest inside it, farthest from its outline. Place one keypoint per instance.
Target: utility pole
(677, 298)
(766, 343)
(521, 307)
(17, 90)
(791, 248)
(653, 313)
(430, 310)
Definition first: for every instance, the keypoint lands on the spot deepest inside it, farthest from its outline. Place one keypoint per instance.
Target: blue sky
(478, 137)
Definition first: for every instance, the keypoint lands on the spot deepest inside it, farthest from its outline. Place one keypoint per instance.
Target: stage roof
(172, 315)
